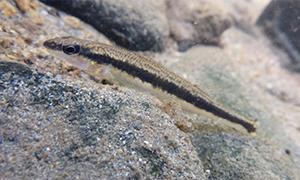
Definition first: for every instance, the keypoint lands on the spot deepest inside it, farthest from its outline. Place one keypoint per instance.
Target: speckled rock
(52, 129)
(135, 25)
(196, 22)
(280, 21)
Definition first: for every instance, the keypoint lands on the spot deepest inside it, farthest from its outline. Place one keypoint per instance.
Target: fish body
(147, 70)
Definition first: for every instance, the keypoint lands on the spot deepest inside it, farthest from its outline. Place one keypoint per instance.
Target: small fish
(147, 70)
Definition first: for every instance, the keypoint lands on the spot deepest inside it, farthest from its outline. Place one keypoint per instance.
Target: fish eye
(71, 49)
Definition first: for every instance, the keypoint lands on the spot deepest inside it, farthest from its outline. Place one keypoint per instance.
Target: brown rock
(7, 9)
(26, 5)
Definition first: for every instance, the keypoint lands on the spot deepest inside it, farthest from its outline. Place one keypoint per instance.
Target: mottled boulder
(280, 21)
(136, 25)
(195, 22)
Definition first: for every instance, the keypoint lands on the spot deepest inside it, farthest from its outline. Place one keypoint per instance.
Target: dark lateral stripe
(168, 86)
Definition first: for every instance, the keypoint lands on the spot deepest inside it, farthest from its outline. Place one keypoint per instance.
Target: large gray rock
(52, 129)
(280, 21)
(136, 25)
